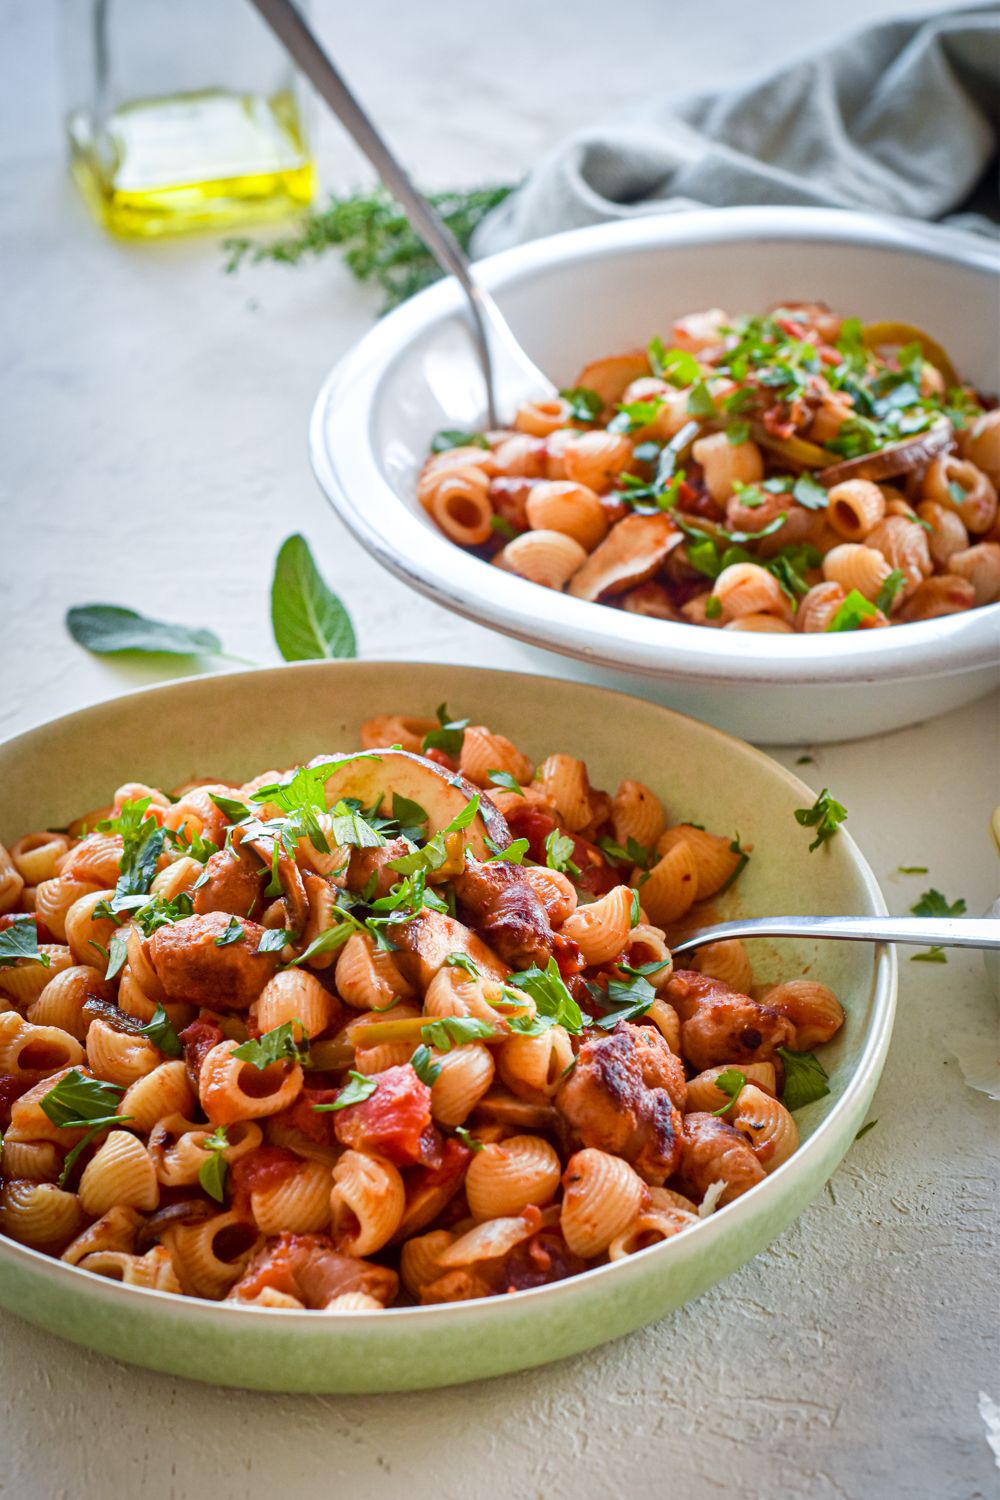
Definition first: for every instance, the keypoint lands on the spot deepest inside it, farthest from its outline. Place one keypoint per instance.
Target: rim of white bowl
(884, 983)
(343, 454)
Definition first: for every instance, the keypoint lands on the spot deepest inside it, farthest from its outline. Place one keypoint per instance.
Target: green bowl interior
(235, 725)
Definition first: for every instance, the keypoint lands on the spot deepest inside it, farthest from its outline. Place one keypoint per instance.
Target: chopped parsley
(452, 437)
(933, 904)
(424, 1065)
(805, 1079)
(214, 1169)
(729, 1082)
(625, 999)
(234, 933)
(584, 404)
(632, 853)
(450, 737)
(463, 961)
(20, 941)
(506, 780)
(160, 1031)
(143, 842)
(78, 1102)
(469, 1141)
(274, 939)
(512, 855)
(851, 614)
(277, 1045)
(736, 848)
(890, 588)
(677, 366)
(825, 815)
(559, 852)
(809, 493)
(408, 816)
(700, 401)
(332, 938)
(548, 990)
(356, 1091)
(454, 1031)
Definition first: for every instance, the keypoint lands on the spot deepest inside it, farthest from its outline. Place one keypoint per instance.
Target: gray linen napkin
(901, 118)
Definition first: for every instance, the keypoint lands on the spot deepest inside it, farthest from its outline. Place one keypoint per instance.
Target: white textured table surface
(154, 455)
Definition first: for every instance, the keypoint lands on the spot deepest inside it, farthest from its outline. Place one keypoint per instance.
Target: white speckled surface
(154, 414)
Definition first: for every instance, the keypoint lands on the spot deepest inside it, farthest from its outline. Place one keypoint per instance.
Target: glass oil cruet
(182, 115)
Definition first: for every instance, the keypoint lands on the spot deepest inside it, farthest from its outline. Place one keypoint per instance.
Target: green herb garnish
(234, 933)
(933, 904)
(548, 990)
(559, 852)
(454, 1031)
(506, 780)
(277, 1045)
(78, 1102)
(805, 1079)
(214, 1169)
(160, 1031)
(825, 815)
(443, 442)
(20, 941)
(356, 1091)
(729, 1083)
(451, 735)
(585, 405)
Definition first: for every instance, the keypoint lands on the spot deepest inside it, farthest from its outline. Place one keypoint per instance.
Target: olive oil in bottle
(183, 117)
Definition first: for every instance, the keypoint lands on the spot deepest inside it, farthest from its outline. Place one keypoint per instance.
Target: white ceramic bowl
(595, 291)
(234, 724)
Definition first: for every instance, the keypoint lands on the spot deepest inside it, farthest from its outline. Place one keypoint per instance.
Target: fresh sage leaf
(309, 621)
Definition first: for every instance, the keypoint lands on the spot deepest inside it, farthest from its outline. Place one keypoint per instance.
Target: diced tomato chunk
(394, 1121)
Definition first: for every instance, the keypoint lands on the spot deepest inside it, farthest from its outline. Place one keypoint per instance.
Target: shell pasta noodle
(793, 472)
(396, 1026)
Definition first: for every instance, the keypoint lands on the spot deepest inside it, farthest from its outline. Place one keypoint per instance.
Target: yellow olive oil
(193, 161)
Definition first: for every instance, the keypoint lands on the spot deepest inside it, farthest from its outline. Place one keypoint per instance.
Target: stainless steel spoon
(931, 932)
(510, 376)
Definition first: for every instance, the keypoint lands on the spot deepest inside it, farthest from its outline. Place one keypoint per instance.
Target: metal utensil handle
(932, 932)
(291, 29)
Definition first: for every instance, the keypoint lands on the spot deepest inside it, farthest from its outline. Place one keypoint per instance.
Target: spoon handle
(933, 932)
(290, 28)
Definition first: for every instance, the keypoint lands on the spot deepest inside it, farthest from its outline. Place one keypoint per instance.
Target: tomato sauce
(11, 1088)
(303, 1117)
(266, 1167)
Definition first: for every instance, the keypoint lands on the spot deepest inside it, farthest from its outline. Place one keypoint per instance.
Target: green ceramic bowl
(233, 726)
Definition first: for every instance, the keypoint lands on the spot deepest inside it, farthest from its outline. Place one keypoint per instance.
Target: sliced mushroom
(441, 793)
(522, 1114)
(190, 1211)
(898, 458)
(630, 554)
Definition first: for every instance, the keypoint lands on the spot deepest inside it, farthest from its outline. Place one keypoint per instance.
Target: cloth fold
(901, 118)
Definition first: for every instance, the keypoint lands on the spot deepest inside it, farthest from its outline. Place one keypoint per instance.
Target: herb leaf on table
(310, 623)
(107, 629)
(375, 237)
